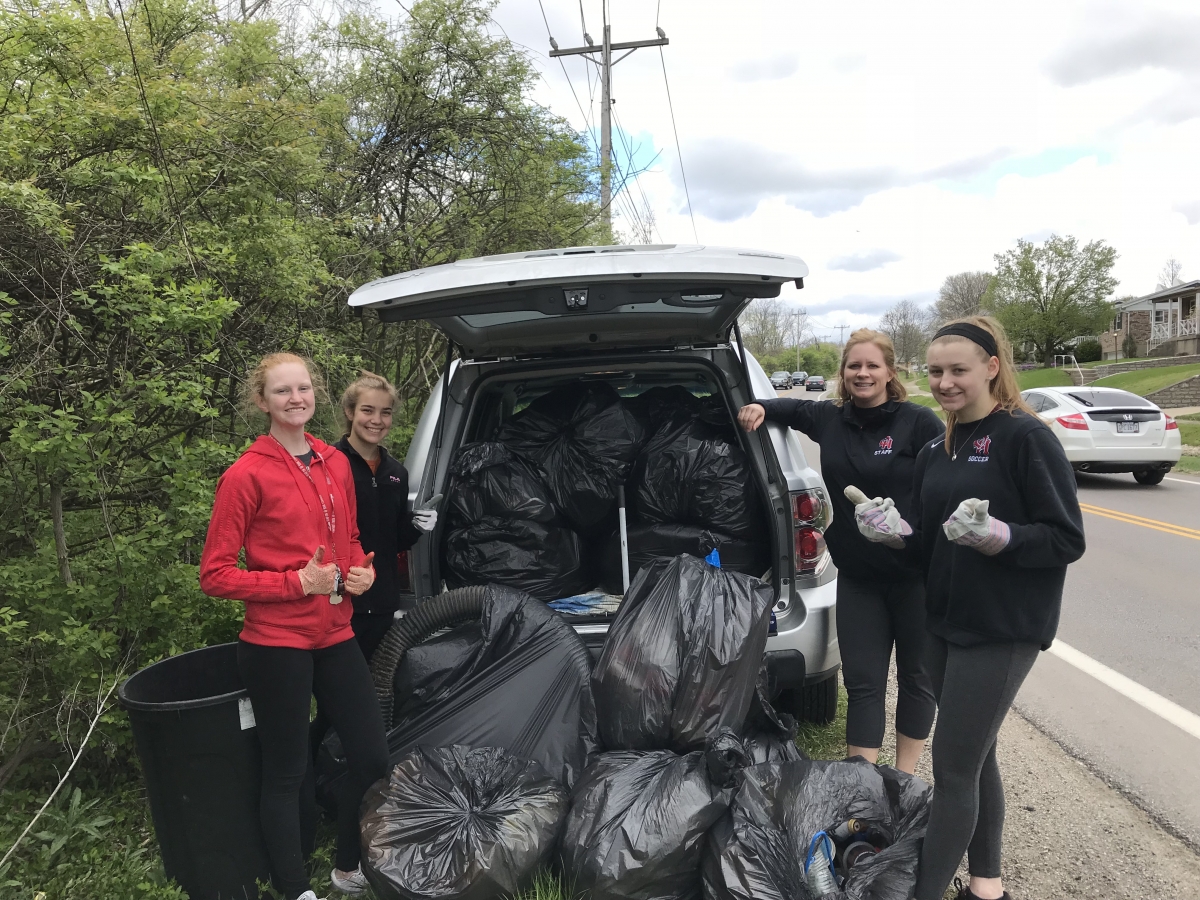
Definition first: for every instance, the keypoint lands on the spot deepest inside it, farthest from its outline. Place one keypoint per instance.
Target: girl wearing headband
(869, 437)
(996, 522)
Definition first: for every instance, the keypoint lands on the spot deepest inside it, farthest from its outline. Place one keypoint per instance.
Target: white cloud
(771, 69)
(941, 131)
(863, 262)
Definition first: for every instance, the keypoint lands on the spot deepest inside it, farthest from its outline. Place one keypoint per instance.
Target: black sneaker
(964, 892)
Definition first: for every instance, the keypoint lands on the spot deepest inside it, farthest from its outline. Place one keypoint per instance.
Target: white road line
(1184, 481)
(1144, 697)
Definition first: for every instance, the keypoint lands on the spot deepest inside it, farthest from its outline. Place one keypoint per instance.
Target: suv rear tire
(816, 703)
(1152, 476)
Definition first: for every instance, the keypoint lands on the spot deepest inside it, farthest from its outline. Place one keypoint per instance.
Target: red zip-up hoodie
(265, 504)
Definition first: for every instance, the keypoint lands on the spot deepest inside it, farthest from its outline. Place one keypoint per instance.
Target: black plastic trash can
(194, 729)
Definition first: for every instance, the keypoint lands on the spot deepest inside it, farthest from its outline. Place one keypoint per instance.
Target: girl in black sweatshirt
(995, 521)
(870, 437)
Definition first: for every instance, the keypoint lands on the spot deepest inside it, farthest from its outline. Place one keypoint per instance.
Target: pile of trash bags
(665, 775)
(518, 679)
(534, 507)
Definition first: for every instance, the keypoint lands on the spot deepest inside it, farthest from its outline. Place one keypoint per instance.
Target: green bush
(1087, 350)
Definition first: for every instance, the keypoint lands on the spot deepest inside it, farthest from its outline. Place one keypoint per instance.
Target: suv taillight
(1073, 422)
(404, 582)
(811, 514)
(1172, 425)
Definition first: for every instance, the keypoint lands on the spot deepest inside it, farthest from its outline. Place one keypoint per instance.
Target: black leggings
(871, 617)
(281, 681)
(975, 687)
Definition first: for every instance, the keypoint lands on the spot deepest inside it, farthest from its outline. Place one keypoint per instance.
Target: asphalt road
(1131, 605)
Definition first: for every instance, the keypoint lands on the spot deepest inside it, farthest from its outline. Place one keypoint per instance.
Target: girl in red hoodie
(289, 502)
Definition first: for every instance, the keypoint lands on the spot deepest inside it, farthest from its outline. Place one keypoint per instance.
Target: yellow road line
(1130, 519)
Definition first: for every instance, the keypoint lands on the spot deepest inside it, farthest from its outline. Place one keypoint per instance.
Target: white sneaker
(353, 883)
(308, 895)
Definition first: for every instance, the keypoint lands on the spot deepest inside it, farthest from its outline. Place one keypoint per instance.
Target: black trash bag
(650, 540)
(695, 473)
(491, 481)
(746, 855)
(659, 405)
(681, 658)
(543, 560)
(525, 689)
(758, 851)
(458, 823)
(432, 669)
(585, 440)
(637, 824)
(767, 734)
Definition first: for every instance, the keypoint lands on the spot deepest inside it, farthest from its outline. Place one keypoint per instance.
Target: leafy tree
(1046, 295)
(178, 195)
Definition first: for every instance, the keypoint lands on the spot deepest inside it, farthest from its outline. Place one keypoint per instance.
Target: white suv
(635, 317)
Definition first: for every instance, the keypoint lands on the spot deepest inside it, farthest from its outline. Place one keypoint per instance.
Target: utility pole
(841, 334)
(605, 64)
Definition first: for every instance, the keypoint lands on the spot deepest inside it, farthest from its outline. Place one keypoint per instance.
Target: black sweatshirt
(384, 524)
(873, 449)
(1016, 463)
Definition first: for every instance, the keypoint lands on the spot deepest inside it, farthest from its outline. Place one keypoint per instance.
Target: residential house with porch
(1165, 323)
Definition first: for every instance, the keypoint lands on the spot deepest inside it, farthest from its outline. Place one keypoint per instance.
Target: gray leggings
(975, 687)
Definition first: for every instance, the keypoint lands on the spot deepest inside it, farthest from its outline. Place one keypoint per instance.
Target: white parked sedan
(1108, 430)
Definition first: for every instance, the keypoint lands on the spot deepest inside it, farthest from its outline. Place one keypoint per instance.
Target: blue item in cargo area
(197, 740)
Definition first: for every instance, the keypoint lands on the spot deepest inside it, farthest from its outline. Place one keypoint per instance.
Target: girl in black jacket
(996, 521)
(870, 437)
(385, 525)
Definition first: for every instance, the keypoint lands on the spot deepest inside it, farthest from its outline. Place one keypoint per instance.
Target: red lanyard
(330, 517)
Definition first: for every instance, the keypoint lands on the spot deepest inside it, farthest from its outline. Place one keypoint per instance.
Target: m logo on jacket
(982, 446)
(885, 447)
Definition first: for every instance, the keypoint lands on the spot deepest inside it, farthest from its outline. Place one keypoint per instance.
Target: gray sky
(891, 145)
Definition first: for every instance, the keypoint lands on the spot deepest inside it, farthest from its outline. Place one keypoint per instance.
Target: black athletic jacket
(1016, 463)
(384, 524)
(876, 451)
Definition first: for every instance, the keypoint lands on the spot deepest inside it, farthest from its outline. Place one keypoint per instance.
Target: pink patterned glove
(878, 520)
(971, 526)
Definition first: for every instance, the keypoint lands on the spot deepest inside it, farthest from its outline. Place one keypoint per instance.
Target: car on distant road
(815, 383)
(781, 381)
(799, 377)
(1109, 430)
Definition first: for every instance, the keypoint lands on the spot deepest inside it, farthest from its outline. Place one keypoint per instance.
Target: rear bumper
(1130, 458)
(1117, 467)
(805, 648)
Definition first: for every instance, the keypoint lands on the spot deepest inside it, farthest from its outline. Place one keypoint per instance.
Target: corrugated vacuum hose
(444, 611)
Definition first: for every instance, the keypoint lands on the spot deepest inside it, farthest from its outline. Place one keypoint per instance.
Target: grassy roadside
(1147, 381)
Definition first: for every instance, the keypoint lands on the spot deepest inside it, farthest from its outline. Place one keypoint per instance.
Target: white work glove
(878, 520)
(316, 578)
(425, 519)
(971, 526)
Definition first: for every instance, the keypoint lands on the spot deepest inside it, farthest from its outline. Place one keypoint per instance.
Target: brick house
(1164, 323)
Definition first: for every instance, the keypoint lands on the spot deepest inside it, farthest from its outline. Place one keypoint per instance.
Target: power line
(678, 149)
(604, 64)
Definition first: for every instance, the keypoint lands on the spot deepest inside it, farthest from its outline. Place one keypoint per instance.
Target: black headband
(972, 333)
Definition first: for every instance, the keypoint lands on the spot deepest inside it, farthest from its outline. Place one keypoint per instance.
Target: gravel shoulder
(1068, 834)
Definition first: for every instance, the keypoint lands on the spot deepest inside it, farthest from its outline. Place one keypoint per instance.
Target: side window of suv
(1037, 402)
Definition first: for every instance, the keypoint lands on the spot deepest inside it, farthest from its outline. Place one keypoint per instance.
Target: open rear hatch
(585, 297)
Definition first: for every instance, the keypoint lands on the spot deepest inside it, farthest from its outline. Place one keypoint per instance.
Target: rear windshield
(1101, 397)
